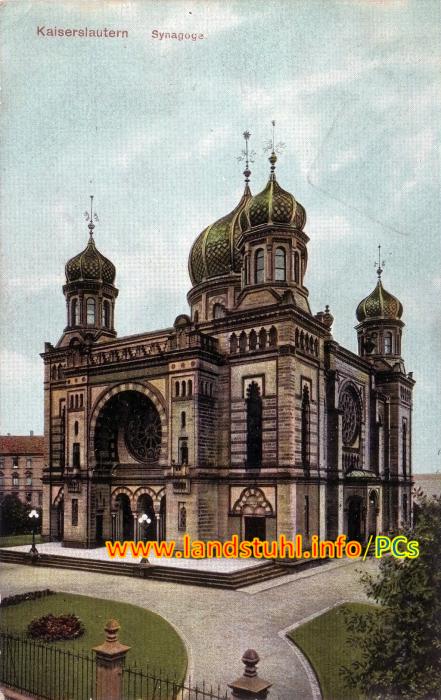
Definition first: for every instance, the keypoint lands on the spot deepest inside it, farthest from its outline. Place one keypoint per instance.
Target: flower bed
(55, 628)
(21, 597)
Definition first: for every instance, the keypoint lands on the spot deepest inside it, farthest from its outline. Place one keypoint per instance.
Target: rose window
(143, 433)
(350, 417)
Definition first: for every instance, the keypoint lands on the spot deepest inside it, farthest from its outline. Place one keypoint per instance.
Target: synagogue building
(246, 416)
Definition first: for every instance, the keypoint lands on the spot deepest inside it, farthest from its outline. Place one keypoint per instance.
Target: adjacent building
(246, 416)
(21, 467)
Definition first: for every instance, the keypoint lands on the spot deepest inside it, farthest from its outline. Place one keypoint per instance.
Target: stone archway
(254, 508)
(146, 427)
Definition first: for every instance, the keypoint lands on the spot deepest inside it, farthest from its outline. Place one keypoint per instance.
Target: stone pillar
(250, 686)
(110, 658)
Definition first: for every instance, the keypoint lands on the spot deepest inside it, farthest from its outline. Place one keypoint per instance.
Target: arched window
(296, 267)
(243, 342)
(253, 340)
(76, 454)
(183, 419)
(254, 426)
(280, 271)
(76, 401)
(71, 401)
(218, 311)
(233, 343)
(306, 413)
(74, 312)
(182, 520)
(183, 451)
(76, 427)
(90, 311)
(262, 338)
(190, 387)
(184, 388)
(106, 314)
(273, 337)
(177, 386)
(259, 274)
(81, 400)
(196, 316)
(388, 343)
(28, 479)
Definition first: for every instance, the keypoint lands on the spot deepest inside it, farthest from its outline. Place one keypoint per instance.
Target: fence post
(110, 658)
(250, 686)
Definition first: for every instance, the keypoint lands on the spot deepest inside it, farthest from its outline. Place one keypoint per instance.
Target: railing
(139, 685)
(44, 670)
(52, 673)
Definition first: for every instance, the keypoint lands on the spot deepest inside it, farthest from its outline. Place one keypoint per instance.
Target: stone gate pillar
(250, 686)
(110, 658)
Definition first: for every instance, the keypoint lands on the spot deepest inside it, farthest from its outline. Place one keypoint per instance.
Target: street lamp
(33, 515)
(144, 521)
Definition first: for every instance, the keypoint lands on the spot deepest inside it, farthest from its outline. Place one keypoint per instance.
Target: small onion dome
(215, 251)
(273, 206)
(379, 304)
(90, 264)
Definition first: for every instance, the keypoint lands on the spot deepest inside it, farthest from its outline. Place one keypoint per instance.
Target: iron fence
(44, 670)
(52, 673)
(141, 685)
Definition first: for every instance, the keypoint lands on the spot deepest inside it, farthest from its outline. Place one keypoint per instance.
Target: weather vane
(271, 145)
(380, 263)
(247, 156)
(91, 217)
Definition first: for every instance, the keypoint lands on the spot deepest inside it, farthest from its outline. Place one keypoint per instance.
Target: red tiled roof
(21, 444)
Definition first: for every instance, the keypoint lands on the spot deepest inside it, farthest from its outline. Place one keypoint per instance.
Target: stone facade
(245, 417)
(21, 468)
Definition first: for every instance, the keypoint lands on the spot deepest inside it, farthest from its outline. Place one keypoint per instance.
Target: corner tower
(90, 293)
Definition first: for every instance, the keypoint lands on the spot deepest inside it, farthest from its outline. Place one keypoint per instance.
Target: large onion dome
(215, 251)
(273, 206)
(90, 264)
(379, 304)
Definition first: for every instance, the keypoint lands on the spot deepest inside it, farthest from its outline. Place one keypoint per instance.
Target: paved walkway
(219, 625)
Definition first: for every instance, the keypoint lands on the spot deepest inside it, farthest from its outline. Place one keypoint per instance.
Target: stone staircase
(213, 579)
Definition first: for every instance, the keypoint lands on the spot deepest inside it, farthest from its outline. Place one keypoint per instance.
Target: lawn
(17, 540)
(154, 643)
(323, 641)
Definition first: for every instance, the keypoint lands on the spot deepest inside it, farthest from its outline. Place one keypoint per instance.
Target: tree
(400, 643)
(14, 516)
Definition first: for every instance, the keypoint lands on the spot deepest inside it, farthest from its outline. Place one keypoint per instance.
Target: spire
(380, 264)
(91, 217)
(274, 148)
(248, 157)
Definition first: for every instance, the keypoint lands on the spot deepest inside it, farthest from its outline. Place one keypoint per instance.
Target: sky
(153, 128)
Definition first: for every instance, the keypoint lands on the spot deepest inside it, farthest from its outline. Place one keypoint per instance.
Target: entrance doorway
(255, 527)
(124, 518)
(99, 528)
(354, 518)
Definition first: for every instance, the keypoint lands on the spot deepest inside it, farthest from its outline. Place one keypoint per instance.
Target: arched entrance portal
(57, 517)
(254, 508)
(354, 518)
(124, 518)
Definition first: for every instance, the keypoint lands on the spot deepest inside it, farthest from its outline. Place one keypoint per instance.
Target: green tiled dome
(90, 264)
(273, 206)
(379, 304)
(215, 250)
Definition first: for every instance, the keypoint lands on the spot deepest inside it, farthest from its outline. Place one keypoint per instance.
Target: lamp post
(33, 515)
(144, 521)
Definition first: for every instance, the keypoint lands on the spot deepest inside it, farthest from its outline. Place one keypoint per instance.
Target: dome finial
(91, 217)
(381, 264)
(274, 148)
(248, 157)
